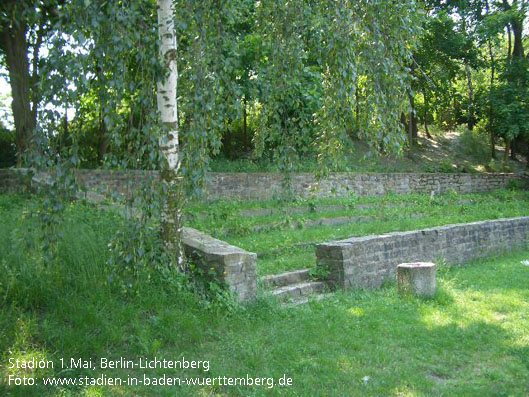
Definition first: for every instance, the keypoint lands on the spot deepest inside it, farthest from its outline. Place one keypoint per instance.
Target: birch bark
(167, 107)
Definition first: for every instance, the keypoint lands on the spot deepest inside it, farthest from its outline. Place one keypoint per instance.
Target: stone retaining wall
(366, 262)
(226, 263)
(265, 186)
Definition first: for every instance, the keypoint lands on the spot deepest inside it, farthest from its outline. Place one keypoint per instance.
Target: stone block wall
(266, 186)
(366, 262)
(10, 180)
(226, 263)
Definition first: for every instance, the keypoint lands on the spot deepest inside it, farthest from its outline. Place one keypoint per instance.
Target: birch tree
(167, 107)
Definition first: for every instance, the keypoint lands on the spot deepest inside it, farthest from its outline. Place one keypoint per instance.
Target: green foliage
(445, 166)
(7, 148)
(473, 143)
(319, 273)
(510, 102)
(498, 166)
(79, 263)
(135, 254)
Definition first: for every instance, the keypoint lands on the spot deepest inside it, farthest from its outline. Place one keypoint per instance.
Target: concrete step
(298, 290)
(284, 279)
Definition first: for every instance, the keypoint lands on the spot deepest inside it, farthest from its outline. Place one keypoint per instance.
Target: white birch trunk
(167, 107)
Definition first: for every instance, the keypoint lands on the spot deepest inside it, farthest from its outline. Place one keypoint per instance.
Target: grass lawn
(472, 339)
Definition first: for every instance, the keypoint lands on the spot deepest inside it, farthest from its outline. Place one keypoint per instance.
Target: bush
(8, 156)
(498, 166)
(445, 166)
(473, 143)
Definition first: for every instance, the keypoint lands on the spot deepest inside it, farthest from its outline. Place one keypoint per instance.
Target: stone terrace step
(305, 299)
(256, 212)
(284, 279)
(298, 290)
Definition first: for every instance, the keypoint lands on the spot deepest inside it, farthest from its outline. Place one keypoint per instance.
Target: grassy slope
(455, 151)
(471, 340)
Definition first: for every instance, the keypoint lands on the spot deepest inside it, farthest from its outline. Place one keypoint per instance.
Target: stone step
(284, 279)
(313, 223)
(302, 209)
(298, 290)
(306, 299)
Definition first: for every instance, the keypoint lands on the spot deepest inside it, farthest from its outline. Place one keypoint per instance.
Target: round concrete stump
(417, 278)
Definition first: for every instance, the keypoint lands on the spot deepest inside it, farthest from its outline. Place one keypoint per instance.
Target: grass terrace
(282, 234)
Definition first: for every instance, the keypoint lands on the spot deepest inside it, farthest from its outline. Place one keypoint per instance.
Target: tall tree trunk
(102, 144)
(509, 47)
(491, 110)
(426, 111)
(518, 55)
(15, 47)
(517, 30)
(471, 121)
(491, 87)
(167, 107)
(412, 126)
(246, 139)
(516, 27)
(357, 110)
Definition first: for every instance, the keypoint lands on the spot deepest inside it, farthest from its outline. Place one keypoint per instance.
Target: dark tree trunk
(509, 47)
(492, 77)
(412, 126)
(15, 47)
(491, 110)
(102, 143)
(357, 110)
(517, 29)
(426, 110)
(246, 139)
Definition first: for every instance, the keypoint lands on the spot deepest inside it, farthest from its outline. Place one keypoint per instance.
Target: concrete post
(417, 278)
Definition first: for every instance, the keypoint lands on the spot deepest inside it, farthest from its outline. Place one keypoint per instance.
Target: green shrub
(445, 166)
(515, 184)
(473, 143)
(499, 166)
(8, 156)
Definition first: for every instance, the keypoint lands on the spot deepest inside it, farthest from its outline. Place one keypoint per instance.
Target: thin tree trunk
(491, 110)
(518, 55)
(167, 107)
(357, 110)
(509, 48)
(412, 126)
(245, 123)
(492, 77)
(471, 122)
(103, 141)
(507, 150)
(14, 45)
(426, 111)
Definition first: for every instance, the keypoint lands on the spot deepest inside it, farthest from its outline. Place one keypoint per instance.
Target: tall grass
(471, 339)
(80, 266)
